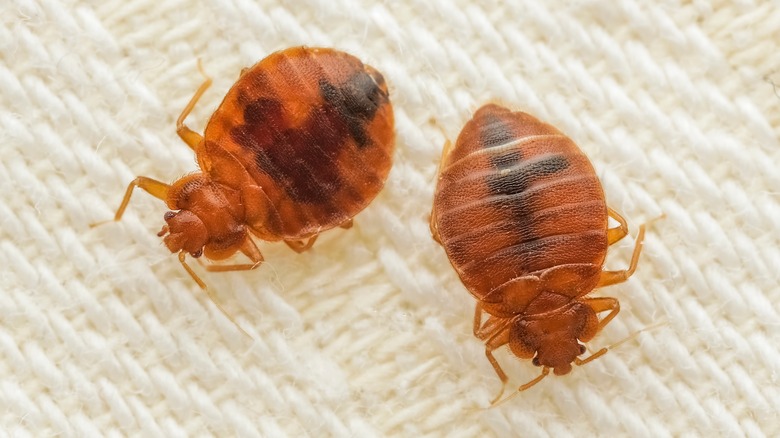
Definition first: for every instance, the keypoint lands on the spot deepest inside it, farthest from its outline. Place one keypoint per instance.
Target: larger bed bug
(301, 143)
(522, 217)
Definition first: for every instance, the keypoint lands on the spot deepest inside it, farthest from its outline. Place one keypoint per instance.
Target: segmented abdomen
(316, 134)
(515, 198)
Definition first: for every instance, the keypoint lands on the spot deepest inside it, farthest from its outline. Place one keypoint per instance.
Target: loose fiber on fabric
(677, 104)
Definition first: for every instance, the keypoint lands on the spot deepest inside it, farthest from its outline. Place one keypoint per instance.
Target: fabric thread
(369, 334)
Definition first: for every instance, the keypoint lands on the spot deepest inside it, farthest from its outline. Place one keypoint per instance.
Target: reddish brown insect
(521, 214)
(301, 143)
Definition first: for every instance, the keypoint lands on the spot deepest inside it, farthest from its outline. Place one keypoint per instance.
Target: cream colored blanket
(369, 334)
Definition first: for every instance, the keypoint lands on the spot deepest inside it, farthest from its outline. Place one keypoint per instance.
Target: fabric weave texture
(677, 104)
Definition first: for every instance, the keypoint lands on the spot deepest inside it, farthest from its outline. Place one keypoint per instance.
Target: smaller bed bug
(301, 143)
(522, 217)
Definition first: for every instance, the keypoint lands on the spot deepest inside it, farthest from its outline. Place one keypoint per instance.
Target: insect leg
(600, 304)
(619, 232)
(249, 249)
(434, 228)
(491, 326)
(613, 277)
(155, 188)
(445, 151)
(523, 387)
(209, 292)
(347, 225)
(497, 340)
(477, 319)
(300, 246)
(192, 138)
(495, 334)
(228, 268)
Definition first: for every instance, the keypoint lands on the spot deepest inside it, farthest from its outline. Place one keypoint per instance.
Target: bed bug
(523, 219)
(301, 143)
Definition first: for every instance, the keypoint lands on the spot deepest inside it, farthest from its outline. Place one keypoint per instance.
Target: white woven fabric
(369, 334)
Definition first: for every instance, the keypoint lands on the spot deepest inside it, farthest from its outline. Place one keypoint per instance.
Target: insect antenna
(521, 388)
(604, 350)
(210, 294)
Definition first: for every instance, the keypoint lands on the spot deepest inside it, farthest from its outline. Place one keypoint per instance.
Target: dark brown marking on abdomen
(353, 104)
(495, 132)
(304, 165)
(509, 180)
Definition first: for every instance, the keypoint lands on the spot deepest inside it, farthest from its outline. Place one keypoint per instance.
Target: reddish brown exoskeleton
(301, 143)
(521, 214)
